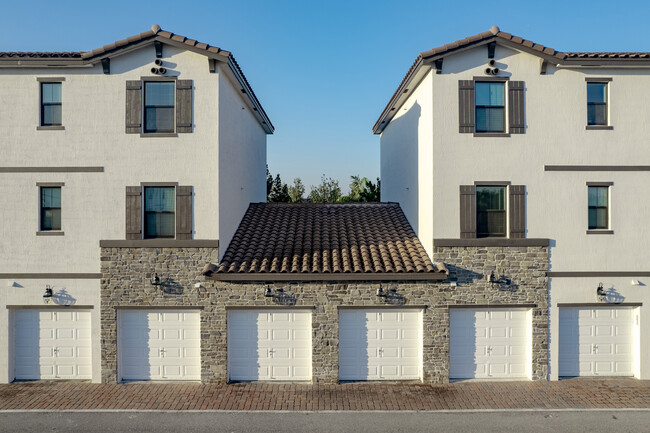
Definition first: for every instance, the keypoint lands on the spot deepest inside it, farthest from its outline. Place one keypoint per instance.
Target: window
(159, 106)
(50, 208)
(50, 104)
(598, 207)
(597, 103)
(490, 211)
(159, 212)
(490, 106)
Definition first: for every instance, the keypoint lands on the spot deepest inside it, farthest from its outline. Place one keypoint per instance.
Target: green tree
(279, 191)
(328, 191)
(296, 191)
(269, 183)
(363, 190)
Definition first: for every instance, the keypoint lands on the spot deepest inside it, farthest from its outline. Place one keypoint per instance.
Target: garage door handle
(595, 348)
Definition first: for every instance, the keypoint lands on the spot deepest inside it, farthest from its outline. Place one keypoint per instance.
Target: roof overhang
(425, 61)
(307, 277)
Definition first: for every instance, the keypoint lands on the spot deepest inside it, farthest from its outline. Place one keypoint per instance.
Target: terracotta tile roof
(495, 33)
(360, 238)
(43, 55)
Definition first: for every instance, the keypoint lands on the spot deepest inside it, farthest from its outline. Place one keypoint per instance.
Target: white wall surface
(29, 292)
(583, 290)
(407, 160)
(242, 161)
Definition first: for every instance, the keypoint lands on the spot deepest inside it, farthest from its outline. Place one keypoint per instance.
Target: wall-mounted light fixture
(492, 278)
(156, 281)
(381, 292)
(47, 296)
(273, 293)
(600, 292)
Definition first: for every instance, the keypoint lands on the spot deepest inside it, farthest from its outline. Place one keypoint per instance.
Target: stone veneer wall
(127, 271)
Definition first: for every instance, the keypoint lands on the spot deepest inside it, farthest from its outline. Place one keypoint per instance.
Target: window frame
(167, 133)
(502, 107)
(144, 187)
(43, 231)
(505, 211)
(506, 124)
(606, 81)
(42, 81)
(608, 228)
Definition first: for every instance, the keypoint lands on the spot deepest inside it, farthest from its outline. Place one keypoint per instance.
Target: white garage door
(596, 341)
(52, 344)
(269, 345)
(159, 345)
(383, 344)
(490, 343)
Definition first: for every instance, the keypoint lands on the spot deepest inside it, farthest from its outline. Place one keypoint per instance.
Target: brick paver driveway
(579, 394)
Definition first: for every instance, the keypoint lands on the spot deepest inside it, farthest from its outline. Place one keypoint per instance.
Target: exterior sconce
(156, 281)
(381, 292)
(273, 293)
(600, 292)
(47, 296)
(492, 278)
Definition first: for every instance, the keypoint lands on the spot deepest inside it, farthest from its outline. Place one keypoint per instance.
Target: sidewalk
(576, 394)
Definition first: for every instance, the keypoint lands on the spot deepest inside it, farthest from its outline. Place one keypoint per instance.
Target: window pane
(159, 119)
(491, 94)
(159, 199)
(51, 115)
(159, 93)
(51, 219)
(596, 114)
(596, 92)
(598, 196)
(490, 198)
(598, 218)
(51, 197)
(51, 93)
(160, 225)
(490, 120)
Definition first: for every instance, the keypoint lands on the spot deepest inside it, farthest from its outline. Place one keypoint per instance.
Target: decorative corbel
(437, 65)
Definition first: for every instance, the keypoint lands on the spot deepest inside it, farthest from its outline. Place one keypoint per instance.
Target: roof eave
(388, 276)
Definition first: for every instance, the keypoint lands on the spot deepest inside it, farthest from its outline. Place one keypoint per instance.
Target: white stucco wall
(29, 292)
(556, 116)
(93, 204)
(242, 161)
(407, 160)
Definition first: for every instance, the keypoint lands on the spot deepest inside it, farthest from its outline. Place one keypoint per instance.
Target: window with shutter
(159, 106)
(133, 107)
(516, 112)
(484, 211)
(482, 106)
(133, 212)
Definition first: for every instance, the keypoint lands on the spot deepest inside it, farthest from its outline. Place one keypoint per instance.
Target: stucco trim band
(492, 242)
(51, 169)
(50, 307)
(160, 243)
(570, 274)
(600, 304)
(158, 307)
(51, 275)
(480, 306)
(597, 168)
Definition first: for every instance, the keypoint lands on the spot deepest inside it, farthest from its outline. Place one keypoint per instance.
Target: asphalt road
(375, 422)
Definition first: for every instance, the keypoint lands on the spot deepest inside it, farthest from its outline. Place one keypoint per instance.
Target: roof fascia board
(418, 74)
(389, 276)
(237, 80)
(44, 63)
(187, 47)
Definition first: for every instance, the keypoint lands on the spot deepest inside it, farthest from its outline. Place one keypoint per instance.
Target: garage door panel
(380, 344)
(489, 343)
(48, 344)
(277, 346)
(159, 345)
(603, 338)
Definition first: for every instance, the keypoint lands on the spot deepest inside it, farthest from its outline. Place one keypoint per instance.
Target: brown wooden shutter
(516, 107)
(183, 106)
(133, 107)
(183, 212)
(133, 212)
(517, 211)
(466, 106)
(467, 211)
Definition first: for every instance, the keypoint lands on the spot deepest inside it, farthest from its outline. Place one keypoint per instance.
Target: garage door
(596, 341)
(52, 344)
(490, 343)
(380, 344)
(159, 345)
(269, 345)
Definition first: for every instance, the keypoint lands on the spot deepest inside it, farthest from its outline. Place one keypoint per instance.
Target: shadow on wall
(62, 297)
(401, 161)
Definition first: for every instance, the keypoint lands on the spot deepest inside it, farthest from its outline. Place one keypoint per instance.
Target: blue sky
(324, 70)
